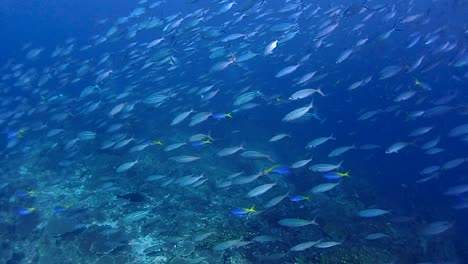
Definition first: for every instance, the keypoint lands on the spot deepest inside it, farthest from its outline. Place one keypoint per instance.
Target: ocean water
(241, 131)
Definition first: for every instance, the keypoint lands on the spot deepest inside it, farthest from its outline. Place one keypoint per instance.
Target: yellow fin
(157, 142)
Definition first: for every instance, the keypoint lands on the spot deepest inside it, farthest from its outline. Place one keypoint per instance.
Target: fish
(386, 78)
(259, 190)
(279, 137)
(117, 109)
(304, 246)
(138, 148)
(202, 236)
(283, 170)
(344, 55)
(296, 222)
(243, 211)
(26, 211)
(335, 175)
(252, 154)
(326, 31)
(324, 187)
(297, 113)
(265, 239)
(200, 137)
(300, 163)
(287, 70)
(341, 150)
(457, 190)
(437, 228)
(184, 158)
(325, 167)
(174, 146)
(199, 118)
(405, 96)
(327, 244)
(246, 56)
(396, 147)
(220, 116)
(420, 131)
(86, 135)
(51, 133)
(230, 244)
(319, 141)
(375, 236)
(389, 71)
(305, 78)
(126, 166)
(181, 117)
(270, 47)
(369, 213)
(197, 144)
(229, 151)
(135, 216)
(298, 198)
(451, 164)
(189, 180)
(246, 98)
(458, 131)
(247, 179)
(304, 93)
(276, 200)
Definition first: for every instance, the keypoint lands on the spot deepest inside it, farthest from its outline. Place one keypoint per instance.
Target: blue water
(89, 91)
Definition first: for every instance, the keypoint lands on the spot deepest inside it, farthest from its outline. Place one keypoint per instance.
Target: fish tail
(319, 90)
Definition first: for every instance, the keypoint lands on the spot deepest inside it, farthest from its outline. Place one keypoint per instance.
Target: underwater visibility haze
(222, 131)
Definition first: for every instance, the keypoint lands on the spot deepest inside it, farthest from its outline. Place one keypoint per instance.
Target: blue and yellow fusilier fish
(22, 194)
(157, 142)
(16, 134)
(279, 169)
(336, 175)
(243, 211)
(201, 143)
(61, 208)
(221, 115)
(26, 211)
(298, 198)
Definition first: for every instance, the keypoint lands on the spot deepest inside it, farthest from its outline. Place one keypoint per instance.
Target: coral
(184, 248)
(362, 255)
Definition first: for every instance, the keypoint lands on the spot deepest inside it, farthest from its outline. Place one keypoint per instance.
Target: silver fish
(259, 190)
(305, 245)
(174, 146)
(296, 222)
(298, 113)
(270, 47)
(327, 244)
(126, 166)
(304, 93)
(325, 187)
(229, 151)
(276, 200)
(319, 141)
(368, 213)
(184, 158)
(325, 167)
(180, 117)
